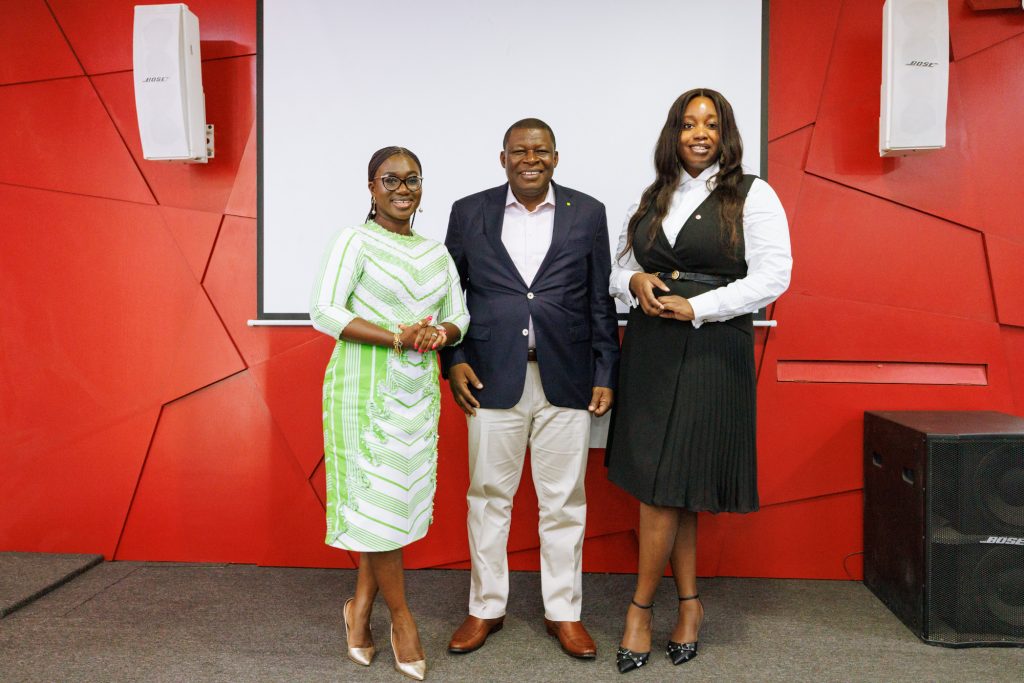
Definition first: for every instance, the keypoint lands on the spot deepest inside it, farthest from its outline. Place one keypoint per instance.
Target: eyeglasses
(393, 182)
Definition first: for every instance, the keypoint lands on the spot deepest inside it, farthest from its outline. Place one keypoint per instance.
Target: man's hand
(676, 307)
(601, 400)
(642, 285)
(460, 378)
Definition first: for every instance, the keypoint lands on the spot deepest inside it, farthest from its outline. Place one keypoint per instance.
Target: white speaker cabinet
(915, 77)
(169, 85)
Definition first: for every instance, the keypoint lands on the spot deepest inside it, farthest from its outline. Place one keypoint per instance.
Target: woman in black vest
(706, 246)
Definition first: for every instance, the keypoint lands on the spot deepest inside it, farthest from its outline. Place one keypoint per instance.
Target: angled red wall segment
(31, 45)
(142, 418)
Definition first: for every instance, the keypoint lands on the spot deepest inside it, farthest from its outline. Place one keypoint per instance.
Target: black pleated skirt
(683, 432)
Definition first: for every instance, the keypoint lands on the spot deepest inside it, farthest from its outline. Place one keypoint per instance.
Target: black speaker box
(944, 523)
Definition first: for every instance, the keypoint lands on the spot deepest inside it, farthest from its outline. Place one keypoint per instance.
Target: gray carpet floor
(25, 577)
(129, 621)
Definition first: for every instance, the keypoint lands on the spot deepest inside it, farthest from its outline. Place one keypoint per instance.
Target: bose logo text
(1004, 540)
(925, 64)
(156, 79)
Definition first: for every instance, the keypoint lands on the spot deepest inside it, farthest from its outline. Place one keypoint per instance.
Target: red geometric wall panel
(791, 149)
(899, 245)
(290, 383)
(787, 183)
(231, 283)
(102, 315)
(57, 135)
(1006, 260)
(31, 45)
(294, 535)
(215, 463)
(775, 541)
(971, 31)
(195, 233)
(798, 59)
(1013, 343)
(242, 201)
(143, 418)
(202, 352)
(997, 146)
(72, 495)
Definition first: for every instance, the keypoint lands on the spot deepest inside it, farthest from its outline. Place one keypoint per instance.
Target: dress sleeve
(453, 306)
(624, 267)
(339, 273)
(768, 256)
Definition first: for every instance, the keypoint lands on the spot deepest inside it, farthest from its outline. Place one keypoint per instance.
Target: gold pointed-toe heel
(415, 670)
(359, 655)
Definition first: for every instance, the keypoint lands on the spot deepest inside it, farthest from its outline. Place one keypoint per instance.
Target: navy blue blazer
(574, 318)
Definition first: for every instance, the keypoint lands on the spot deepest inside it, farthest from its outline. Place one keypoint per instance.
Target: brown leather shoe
(574, 638)
(473, 633)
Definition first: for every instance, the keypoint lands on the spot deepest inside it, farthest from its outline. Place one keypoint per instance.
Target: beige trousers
(558, 440)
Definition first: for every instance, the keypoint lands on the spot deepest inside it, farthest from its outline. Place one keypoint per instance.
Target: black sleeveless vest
(699, 248)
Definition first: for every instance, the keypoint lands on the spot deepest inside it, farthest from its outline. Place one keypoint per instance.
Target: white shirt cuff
(704, 306)
(623, 293)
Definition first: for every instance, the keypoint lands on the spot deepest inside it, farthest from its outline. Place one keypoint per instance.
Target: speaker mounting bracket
(208, 149)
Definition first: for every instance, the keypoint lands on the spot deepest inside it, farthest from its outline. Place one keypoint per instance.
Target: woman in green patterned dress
(391, 298)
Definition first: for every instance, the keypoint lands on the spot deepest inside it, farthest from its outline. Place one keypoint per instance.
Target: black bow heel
(684, 652)
(627, 660)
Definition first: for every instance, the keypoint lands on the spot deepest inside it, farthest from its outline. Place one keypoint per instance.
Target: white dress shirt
(767, 251)
(527, 238)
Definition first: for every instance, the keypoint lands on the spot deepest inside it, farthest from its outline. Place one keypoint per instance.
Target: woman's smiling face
(699, 142)
(395, 207)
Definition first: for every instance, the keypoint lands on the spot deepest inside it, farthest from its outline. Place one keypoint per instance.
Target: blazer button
(529, 295)
(526, 333)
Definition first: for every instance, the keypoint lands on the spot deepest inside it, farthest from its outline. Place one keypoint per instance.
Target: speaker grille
(975, 566)
(975, 593)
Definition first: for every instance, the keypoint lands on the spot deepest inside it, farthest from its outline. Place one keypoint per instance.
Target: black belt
(531, 355)
(714, 280)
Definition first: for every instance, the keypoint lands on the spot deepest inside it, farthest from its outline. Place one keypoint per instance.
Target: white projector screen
(339, 80)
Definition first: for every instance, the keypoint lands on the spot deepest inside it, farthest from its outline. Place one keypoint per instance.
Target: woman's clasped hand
(421, 336)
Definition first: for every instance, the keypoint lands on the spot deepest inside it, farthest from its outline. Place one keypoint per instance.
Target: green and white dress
(380, 408)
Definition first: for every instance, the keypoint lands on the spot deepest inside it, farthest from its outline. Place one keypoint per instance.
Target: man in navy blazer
(539, 358)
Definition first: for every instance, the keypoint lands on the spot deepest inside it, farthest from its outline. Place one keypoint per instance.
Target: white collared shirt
(527, 237)
(767, 251)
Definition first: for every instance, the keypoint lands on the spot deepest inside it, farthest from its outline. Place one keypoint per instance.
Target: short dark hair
(530, 123)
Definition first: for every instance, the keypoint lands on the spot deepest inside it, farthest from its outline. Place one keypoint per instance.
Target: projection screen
(339, 80)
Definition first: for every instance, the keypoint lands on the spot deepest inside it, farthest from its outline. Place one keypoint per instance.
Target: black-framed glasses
(393, 182)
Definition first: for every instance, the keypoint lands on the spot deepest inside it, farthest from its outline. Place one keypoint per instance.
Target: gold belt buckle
(675, 274)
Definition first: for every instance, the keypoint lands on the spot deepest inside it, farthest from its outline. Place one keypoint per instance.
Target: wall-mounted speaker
(944, 523)
(915, 76)
(169, 96)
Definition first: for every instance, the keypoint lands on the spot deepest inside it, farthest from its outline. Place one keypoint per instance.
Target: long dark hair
(668, 167)
(378, 158)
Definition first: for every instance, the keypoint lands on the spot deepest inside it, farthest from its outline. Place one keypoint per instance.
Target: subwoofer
(944, 523)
